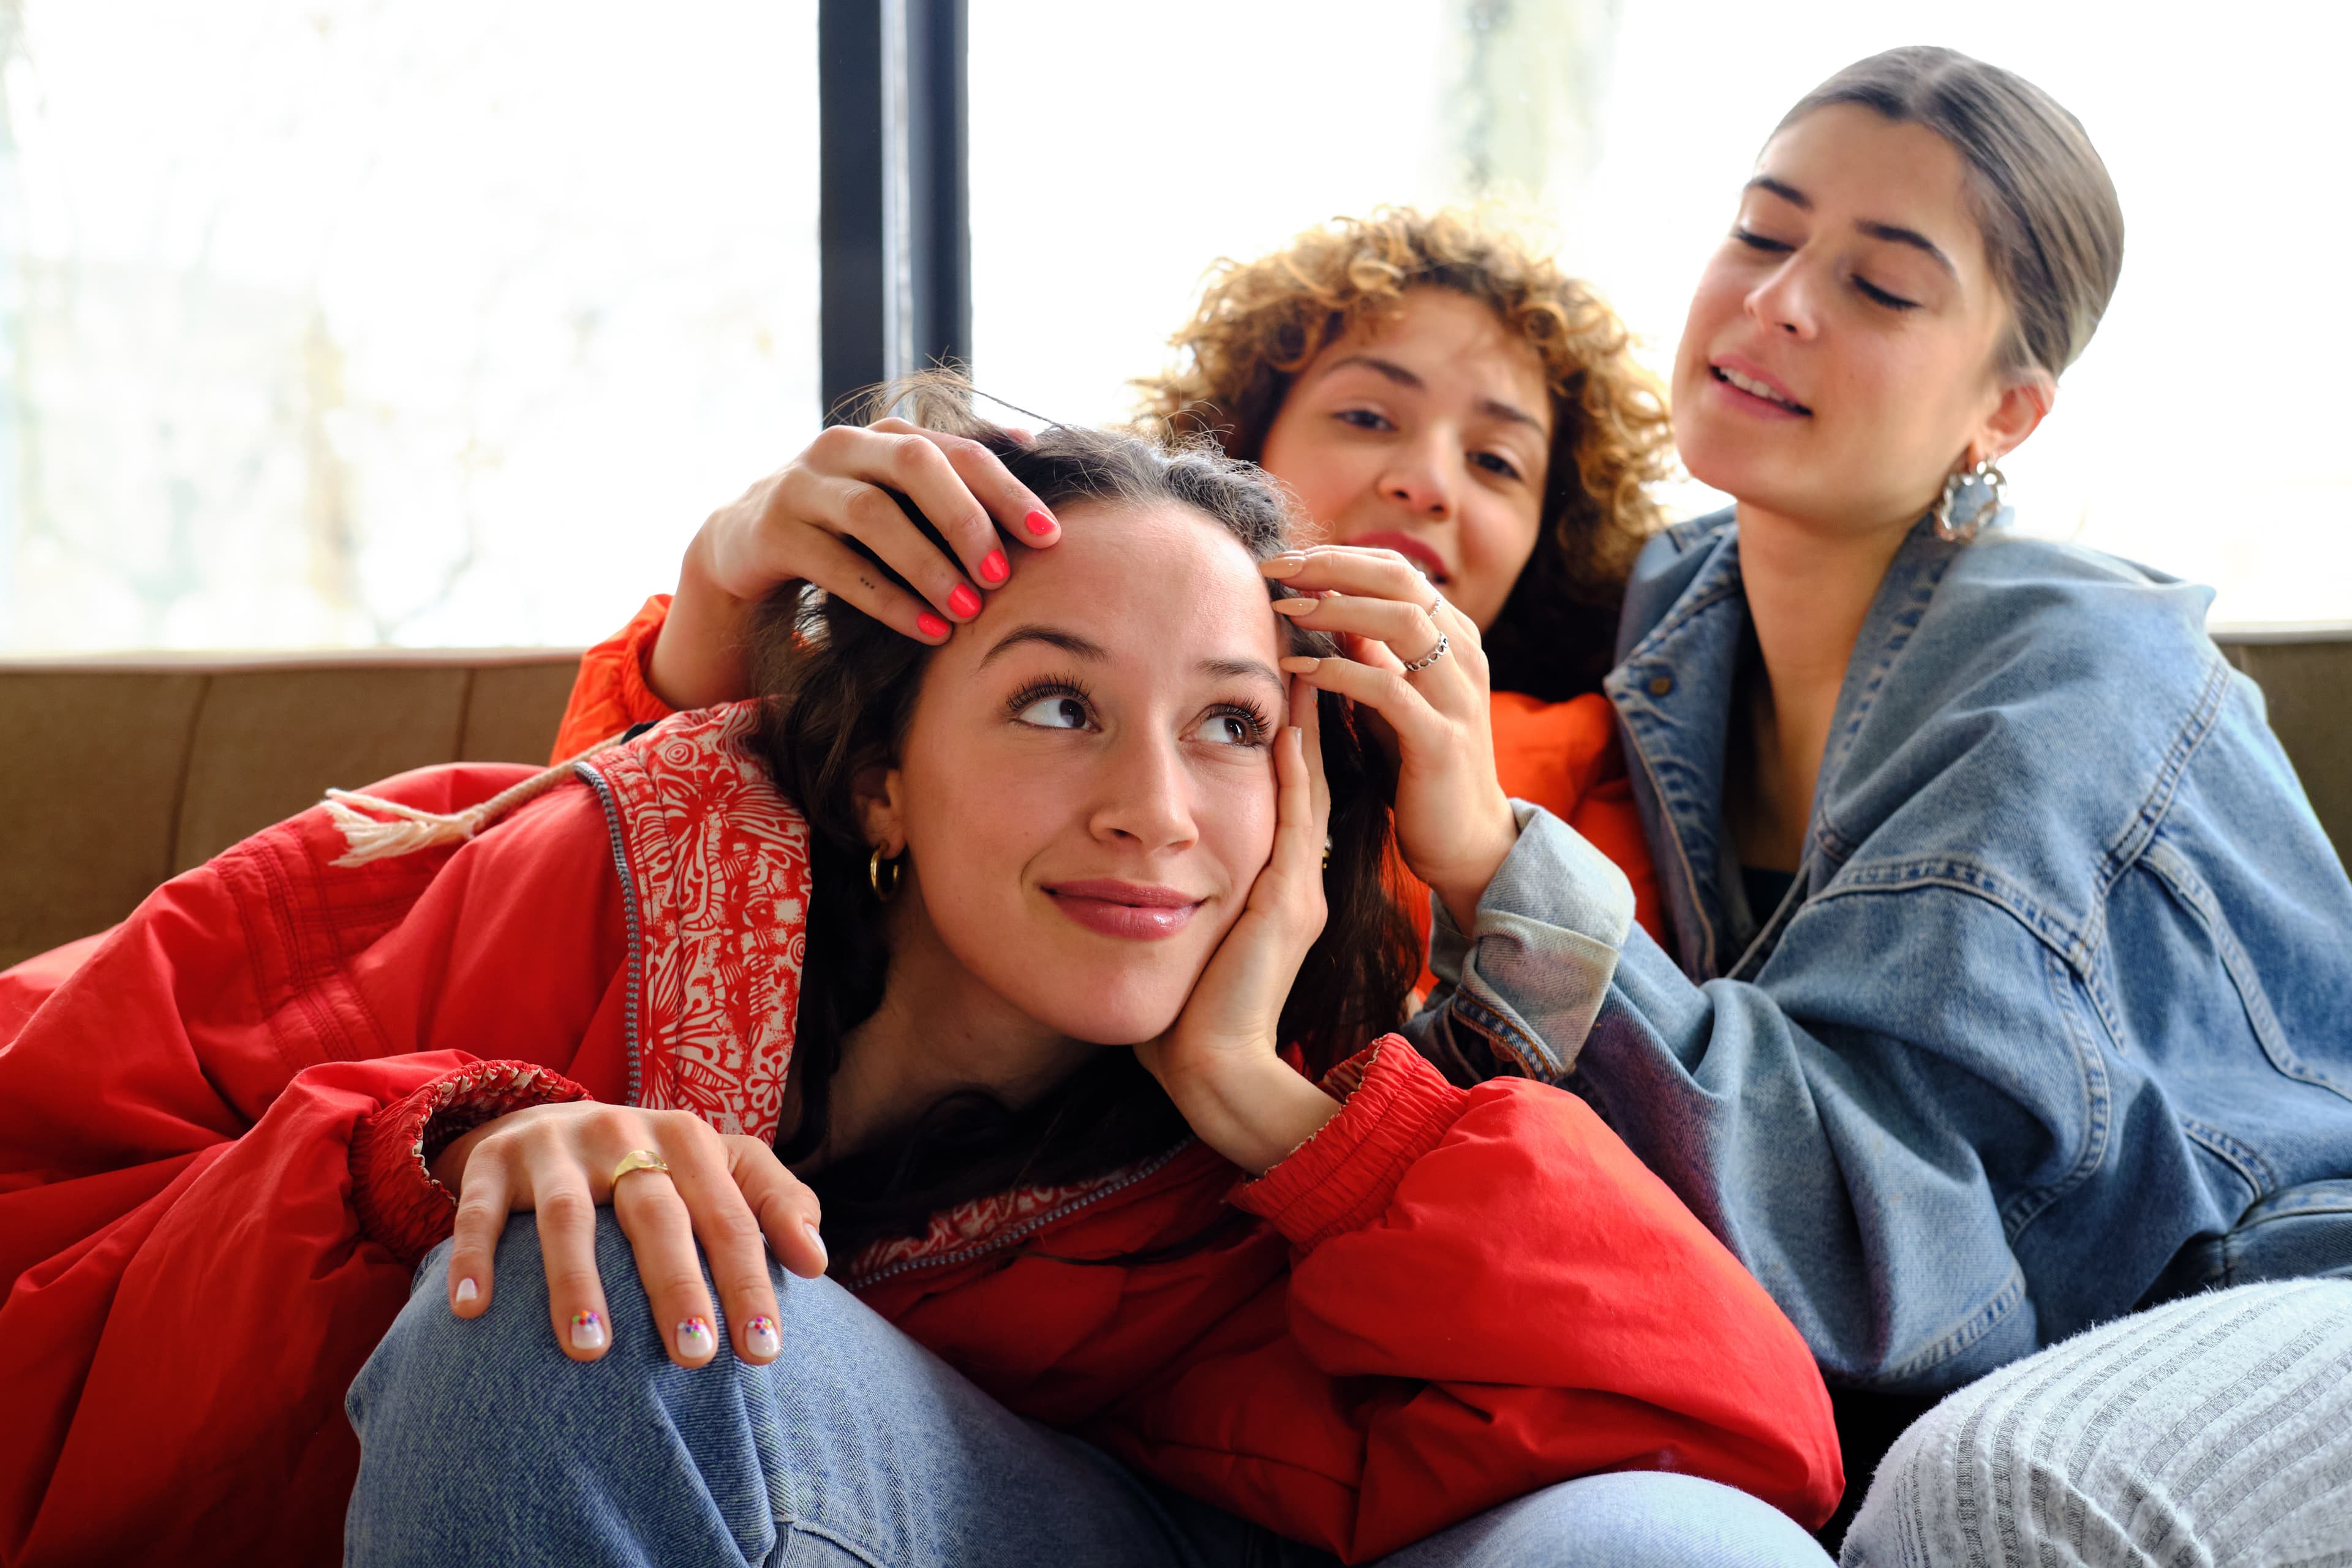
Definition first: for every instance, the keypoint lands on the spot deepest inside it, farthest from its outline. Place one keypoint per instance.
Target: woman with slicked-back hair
(2009, 987)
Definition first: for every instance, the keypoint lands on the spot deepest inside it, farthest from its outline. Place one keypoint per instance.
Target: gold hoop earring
(882, 892)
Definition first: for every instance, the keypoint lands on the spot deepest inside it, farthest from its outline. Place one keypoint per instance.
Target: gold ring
(637, 1160)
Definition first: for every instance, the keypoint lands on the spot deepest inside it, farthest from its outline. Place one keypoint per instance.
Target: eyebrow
(1070, 643)
(1493, 408)
(1893, 233)
(1094, 652)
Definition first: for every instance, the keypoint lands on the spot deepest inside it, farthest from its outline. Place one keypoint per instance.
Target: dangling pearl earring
(883, 889)
(1972, 502)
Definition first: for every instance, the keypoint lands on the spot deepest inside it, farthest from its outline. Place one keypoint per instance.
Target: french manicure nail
(816, 1241)
(588, 1331)
(994, 568)
(695, 1339)
(468, 1292)
(760, 1336)
(963, 601)
(1298, 664)
(1297, 607)
(930, 626)
(1038, 525)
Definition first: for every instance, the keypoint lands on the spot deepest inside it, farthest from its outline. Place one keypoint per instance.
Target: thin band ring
(637, 1160)
(1433, 656)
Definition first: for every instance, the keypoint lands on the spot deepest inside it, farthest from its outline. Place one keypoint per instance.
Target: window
(434, 321)
(447, 321)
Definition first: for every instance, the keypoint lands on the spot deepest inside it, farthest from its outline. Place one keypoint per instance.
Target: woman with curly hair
(1426, 384)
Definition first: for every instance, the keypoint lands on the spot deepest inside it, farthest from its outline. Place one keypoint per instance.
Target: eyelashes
(1255, 724)
(1878, 296)
(1862, 286)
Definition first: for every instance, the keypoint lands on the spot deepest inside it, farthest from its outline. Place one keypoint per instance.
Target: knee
(479, 1438)
(445, 1381)
(2216, 1419)
(457, 1383)
(1631, 1519)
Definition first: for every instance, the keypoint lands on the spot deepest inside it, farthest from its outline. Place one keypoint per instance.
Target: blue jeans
(481, 1442)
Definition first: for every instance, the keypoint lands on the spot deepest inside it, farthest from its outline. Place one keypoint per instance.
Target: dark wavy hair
(841, 689)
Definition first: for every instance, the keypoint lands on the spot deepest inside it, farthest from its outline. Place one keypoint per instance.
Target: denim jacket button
(1661, 684)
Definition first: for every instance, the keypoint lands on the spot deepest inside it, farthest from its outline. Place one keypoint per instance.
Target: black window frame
(894, 224)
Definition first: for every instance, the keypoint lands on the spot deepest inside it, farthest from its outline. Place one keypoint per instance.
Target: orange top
(1563, 757)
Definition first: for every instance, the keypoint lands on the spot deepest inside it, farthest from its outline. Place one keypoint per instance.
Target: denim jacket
(2057, 1017)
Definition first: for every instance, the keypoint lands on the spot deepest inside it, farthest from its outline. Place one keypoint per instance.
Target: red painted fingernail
(930, 626)
(994, 568)
(963, 601)
(1038, 522)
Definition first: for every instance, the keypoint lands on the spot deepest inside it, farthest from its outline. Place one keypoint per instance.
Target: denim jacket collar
(1673, 688)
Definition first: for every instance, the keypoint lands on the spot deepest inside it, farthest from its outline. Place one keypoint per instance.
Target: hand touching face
(1086, 792)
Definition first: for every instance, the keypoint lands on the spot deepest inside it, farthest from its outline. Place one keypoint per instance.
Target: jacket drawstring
(367, 838)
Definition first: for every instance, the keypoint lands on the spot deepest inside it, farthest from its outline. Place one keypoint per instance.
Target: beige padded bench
(119, 773)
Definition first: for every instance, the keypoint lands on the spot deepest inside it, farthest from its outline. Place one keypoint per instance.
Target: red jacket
(211, 1198)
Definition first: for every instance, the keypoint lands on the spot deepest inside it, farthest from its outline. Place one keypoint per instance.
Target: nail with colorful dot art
(695, 1340)
(588, 1331)
(761, 1337)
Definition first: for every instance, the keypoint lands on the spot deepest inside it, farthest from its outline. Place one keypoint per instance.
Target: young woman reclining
(980, 974)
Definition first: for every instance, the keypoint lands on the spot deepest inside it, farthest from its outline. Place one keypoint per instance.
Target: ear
(880, 808)
(2023, 403)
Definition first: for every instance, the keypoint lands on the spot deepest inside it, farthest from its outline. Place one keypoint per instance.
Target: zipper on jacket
(636, 974)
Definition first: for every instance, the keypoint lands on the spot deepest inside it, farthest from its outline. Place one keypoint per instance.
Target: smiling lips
(1753, 385)
(1138, 911)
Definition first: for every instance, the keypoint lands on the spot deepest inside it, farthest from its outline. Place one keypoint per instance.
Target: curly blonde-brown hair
(1260, 322)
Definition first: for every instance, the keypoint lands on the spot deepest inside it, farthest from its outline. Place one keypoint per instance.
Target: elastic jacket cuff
(399, 1204)
(1394, 1108)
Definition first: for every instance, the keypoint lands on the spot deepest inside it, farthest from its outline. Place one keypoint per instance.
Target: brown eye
(1055, 714)
(1229, 728)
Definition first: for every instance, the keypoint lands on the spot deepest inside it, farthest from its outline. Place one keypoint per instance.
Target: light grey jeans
(2215, 1430)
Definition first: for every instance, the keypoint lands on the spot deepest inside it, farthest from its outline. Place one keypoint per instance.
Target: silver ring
(1432, 657)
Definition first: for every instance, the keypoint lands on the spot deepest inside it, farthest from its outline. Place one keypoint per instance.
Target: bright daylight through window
(348, 322)
(417, 321)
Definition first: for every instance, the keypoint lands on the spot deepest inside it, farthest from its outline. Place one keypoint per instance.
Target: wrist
(698, 653)
(1252, 1110)
(1461, 886)
(448, 1166)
